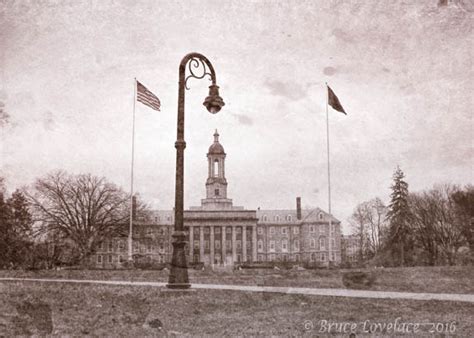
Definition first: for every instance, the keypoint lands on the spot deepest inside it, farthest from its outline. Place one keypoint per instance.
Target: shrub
(358, 279)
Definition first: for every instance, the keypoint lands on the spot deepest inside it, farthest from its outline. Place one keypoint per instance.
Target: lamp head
(213, 102)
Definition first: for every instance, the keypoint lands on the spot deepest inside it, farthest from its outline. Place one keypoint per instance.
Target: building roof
(216, 148)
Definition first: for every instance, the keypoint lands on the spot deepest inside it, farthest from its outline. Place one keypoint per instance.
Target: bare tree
(464, 203)
(85, 209)
(434, 219)
(422, 220)
(369, 224)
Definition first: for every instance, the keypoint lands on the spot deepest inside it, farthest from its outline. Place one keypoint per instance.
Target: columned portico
(217, 213)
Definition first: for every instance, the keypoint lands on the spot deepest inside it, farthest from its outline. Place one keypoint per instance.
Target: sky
(401, 69)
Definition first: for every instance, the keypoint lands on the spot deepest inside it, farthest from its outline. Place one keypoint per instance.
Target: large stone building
(221, 234)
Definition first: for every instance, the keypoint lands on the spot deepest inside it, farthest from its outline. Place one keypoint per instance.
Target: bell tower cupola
(216, 184)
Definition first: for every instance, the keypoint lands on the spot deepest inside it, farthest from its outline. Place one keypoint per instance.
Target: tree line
(61, 219)
(430, 227)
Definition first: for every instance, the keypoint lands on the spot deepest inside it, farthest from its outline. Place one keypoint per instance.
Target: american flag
(147, 97)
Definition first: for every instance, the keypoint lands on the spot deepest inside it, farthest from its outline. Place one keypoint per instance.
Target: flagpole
(130, 233)
(329, 166)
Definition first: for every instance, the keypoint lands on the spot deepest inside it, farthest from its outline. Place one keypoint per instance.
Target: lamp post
(198, 67)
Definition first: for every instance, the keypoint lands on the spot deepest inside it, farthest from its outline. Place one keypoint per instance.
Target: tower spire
(216, 137)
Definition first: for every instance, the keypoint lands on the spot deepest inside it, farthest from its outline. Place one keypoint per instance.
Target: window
(111, 259)
(217, 230)
(332, 257)
(148, 247)
(216, 192)
(228, 244)
(196, 244)
(297, 258)
(285, 258)
(162, 248)
(272, 230)
(149, 231)
(277, 218)
(99, 258)
(272, 245)
(168, 218)
(333, 244)
(284, 230)
(217, 244)
(296, 245)
(288, 218)
(296, 230)
(312, 243)
(196, 230)
(313, 257)
(260, 230)
(239, 258)
(265, 218)
(228, 230)
(216, 168)
(260, 258)
(322, 244)
(260, 245)
(272, 257)
(111, 246)
(238, 230)
(323, 257)
(206, 230)
(284, 245)
(206, 245)
(136, 248)
(121, 259)
(311, 228)
(156, 219)
(238, 244)
(320, 215)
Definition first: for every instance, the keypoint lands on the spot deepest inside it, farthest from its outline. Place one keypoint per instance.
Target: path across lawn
(276, 289)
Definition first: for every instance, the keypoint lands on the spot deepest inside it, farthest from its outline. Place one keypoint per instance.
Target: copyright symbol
(308, 325)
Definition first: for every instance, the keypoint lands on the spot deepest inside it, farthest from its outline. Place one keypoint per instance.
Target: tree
(422, 218)
(369, 223)
(83, 209)
(464, 209)
(15, 230)
(398, 216)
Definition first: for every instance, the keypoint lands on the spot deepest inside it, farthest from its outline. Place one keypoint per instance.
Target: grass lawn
(31, 308)
(455, 279)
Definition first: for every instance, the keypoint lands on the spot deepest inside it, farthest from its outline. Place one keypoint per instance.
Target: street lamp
(198, 67)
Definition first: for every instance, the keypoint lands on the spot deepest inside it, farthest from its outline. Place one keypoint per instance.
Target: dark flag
(147, 97)
(333, 101)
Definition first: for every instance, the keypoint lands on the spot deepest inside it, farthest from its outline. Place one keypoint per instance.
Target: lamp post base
(178, 278)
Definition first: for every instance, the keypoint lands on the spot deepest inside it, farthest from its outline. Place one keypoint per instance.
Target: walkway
(455, 297)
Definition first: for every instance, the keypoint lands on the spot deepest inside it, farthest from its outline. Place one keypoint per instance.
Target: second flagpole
(329, 163)
(130, 233)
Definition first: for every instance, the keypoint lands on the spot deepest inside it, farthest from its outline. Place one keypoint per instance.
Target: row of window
(121, 246)
(289, 218)
(296, 230)
(296, 258)
(296, 245)
(121, 259)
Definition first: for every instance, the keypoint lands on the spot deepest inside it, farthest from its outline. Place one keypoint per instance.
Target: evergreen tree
(15, 230)
(398, 216)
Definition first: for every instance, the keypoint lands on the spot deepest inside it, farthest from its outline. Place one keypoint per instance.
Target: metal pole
(178, 278)
(130, 234)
